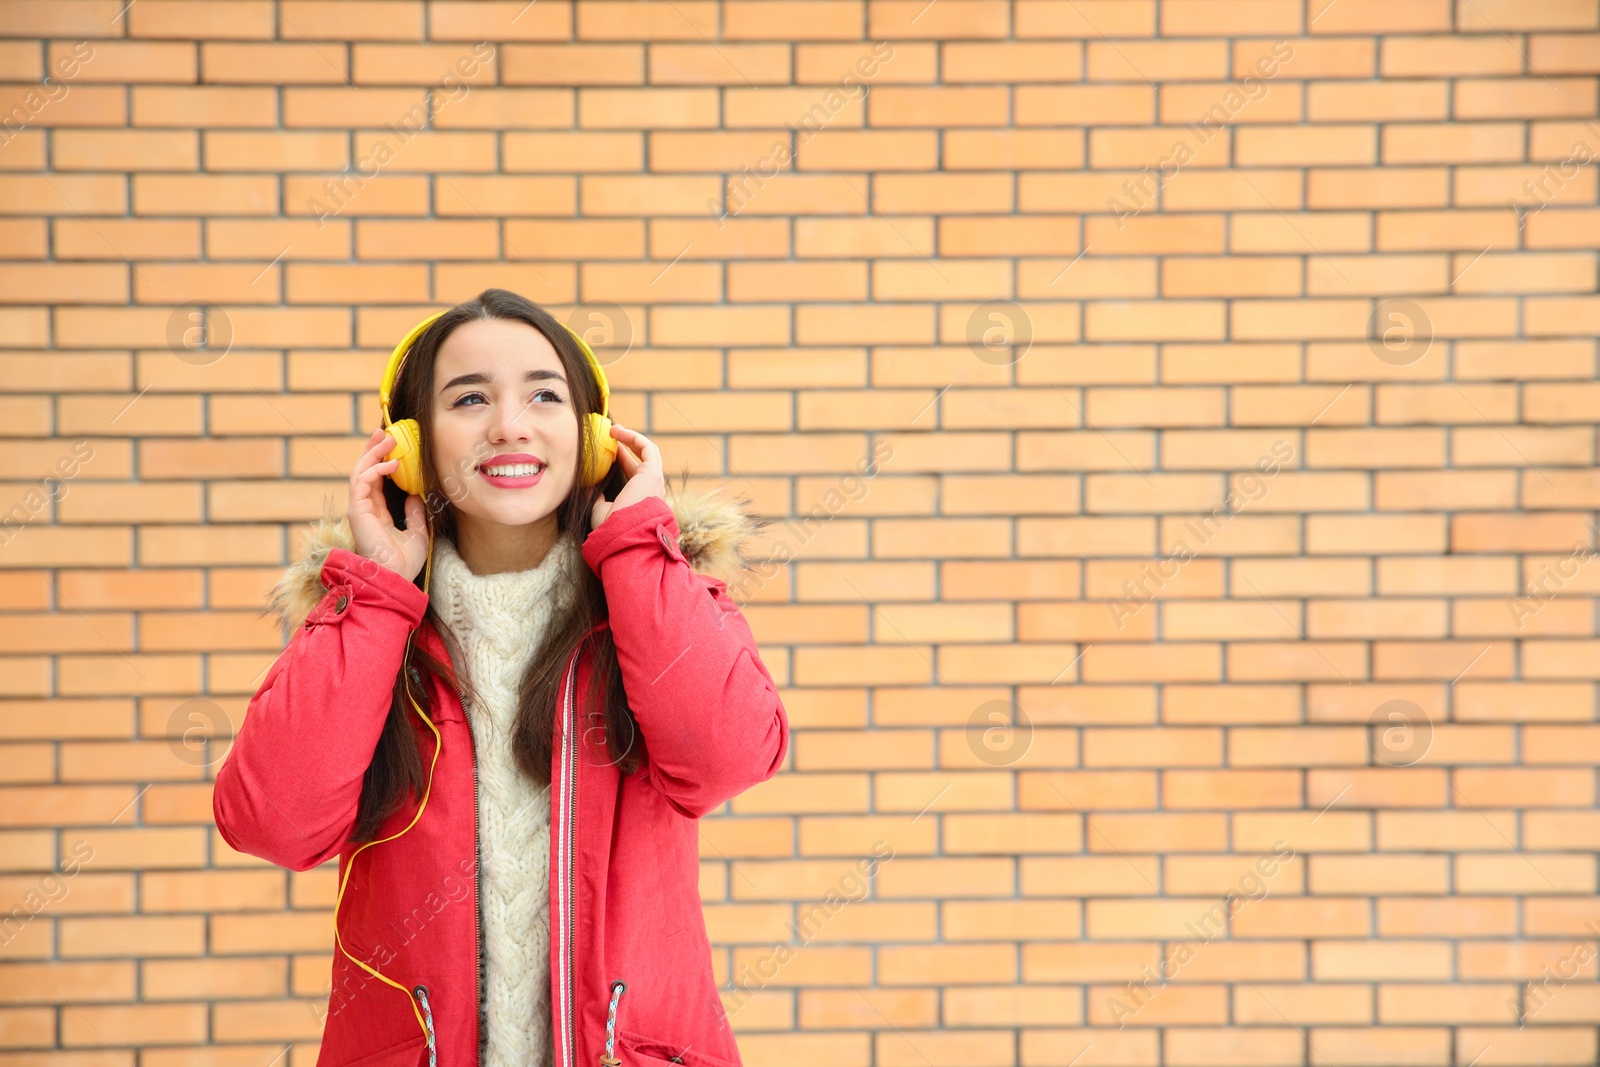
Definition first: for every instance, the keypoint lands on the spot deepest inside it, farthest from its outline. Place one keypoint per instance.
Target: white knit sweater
(498, 621)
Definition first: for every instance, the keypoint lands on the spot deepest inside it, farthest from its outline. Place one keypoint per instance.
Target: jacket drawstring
(609, 1059)
(427, 1010)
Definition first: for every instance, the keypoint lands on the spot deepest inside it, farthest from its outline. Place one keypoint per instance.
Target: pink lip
(520, 482)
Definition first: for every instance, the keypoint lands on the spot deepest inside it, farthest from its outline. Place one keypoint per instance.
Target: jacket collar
(714, 532)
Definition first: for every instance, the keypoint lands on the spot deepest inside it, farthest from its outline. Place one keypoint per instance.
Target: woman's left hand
(641, 462)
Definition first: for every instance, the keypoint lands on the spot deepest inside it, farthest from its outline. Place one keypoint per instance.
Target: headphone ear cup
(408, 450)
(602, 450)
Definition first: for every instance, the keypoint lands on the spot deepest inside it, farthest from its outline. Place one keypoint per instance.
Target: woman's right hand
(373, 530)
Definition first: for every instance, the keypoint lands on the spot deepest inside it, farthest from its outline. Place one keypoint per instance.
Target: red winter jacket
(630, 963)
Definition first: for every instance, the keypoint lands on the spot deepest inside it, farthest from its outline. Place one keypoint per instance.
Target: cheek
(452, 455)
(570, 430)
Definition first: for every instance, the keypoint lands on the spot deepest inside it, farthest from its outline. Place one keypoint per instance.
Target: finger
(373, 475)
(377, 448)
(625, 436)
(366, 490)
(641, 444)
(364, 462)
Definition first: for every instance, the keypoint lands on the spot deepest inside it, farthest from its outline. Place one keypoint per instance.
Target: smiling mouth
(512, 470)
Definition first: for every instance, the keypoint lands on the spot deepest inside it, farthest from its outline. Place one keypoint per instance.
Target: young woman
(504, 713)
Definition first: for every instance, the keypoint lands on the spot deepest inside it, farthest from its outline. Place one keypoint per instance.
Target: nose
(508, 423)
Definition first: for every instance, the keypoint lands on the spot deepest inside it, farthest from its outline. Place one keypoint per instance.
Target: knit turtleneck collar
(502, 617)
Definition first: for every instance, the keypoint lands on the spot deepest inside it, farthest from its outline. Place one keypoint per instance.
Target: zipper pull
(427, 1010)
(608, 1057)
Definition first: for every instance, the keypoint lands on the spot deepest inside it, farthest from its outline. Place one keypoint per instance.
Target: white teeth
(514, 470)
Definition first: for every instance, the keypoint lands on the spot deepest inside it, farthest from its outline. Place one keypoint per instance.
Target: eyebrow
(480, 378)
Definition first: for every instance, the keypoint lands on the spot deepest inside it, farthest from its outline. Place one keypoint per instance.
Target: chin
(534, 506)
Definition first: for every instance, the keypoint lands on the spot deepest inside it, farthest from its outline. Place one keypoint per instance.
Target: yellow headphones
(408, 435)
(408, 476)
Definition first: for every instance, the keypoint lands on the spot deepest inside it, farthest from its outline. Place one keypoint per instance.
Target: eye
(541, 392)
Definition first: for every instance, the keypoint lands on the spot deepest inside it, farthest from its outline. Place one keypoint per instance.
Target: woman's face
(505, 433)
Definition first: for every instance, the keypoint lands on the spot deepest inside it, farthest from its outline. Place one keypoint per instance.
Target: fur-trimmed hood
(714, 530)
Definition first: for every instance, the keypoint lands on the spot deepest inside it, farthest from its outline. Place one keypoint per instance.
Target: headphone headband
(391, 372)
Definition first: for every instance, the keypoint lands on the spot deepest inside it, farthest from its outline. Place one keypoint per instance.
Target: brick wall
(1176, 421)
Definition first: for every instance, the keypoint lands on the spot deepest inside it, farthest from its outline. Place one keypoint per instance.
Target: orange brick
(1011, 61)
(1302, 58)
(650, 20)
(80, 238)
(791, 20)
(646, 108)
(64, 283)
(605, 194)
(407, 108)
(251, 63)
(157, 194)
(228, 284)
(458, 68)
(204, 107)
(766, 151)
(571, 64)
(407, 151)
(1378, 101)
(1117, 18)
(726, 64)
(846, 65)
(575, 238)
(95, 18)
(1479, 142)
(218, 19)
(124, 61)
(445, 239)
(67, 104)
(950, 105)
(836, 149)
(1410, 57)
(960, 18)
(381, 20)
(1375, 16)
(495, 109)
(568, 151)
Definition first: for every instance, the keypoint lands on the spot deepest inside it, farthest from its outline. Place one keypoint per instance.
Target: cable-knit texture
(498, 621)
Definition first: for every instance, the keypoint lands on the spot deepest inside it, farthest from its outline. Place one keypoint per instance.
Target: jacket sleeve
(290, 787)
(709, 711)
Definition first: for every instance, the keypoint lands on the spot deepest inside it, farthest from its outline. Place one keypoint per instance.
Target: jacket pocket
(651, 1052)
(411, 1052)
(646, 1052)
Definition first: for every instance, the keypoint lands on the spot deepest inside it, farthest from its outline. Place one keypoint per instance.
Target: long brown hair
(398, 771)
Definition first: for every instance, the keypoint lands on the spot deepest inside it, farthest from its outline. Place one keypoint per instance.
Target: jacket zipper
(569, 850)
(570, 739)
